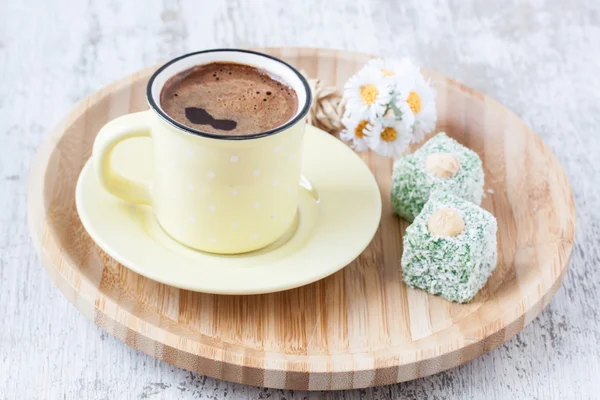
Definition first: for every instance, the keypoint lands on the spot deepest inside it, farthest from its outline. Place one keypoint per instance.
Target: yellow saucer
(336, 220)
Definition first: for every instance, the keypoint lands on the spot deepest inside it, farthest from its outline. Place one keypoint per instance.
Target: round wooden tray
(359, 327)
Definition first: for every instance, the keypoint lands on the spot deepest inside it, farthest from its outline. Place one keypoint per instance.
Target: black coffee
(228, 99)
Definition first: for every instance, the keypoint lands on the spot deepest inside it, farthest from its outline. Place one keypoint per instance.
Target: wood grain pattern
(360, 327)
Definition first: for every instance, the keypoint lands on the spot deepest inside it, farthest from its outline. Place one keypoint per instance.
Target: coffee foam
(211, 97)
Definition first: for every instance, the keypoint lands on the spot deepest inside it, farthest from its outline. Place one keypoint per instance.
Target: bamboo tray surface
(357, 328)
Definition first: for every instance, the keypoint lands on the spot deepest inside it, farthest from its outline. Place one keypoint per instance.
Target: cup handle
(120, 129)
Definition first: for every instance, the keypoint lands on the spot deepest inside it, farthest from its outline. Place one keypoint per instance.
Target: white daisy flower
(389, 137)
(355, 132)
(367, 94)
(425, 121)
(413, 90)
(390, 67)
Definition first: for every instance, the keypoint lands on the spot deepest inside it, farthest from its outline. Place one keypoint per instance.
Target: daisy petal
(389, 137)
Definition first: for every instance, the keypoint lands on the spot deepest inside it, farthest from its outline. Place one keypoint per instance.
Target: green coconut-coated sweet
(453, 267)
(412, 183)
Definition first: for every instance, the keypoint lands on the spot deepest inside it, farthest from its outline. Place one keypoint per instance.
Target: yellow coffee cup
(216, 193)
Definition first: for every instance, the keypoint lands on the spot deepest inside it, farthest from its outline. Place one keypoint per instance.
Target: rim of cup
(279, 68)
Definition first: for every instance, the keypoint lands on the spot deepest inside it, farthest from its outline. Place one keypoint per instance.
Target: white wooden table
(540, 60)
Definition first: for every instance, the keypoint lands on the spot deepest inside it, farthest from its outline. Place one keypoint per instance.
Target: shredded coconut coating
(452, 267)
(412, 183)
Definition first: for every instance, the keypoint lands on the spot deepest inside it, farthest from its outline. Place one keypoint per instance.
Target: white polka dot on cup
(211, 175)
(234, 192)
(234, 225)
(289, 189)
(173, 196)
(275, 182)
(211, 208)
(254, 236)
(256, 172)
(256, 205)
(213, 240)
(234, 159)
(192, 220)
(190, 153)
(277, 149)
(190, 187)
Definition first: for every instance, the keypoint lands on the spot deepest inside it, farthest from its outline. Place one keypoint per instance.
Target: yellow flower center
(368, 93)
(359, 130)
(387, 72)
(389, 134)
(414, 102)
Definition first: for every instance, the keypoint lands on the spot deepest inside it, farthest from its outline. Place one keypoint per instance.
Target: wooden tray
(359, 327)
